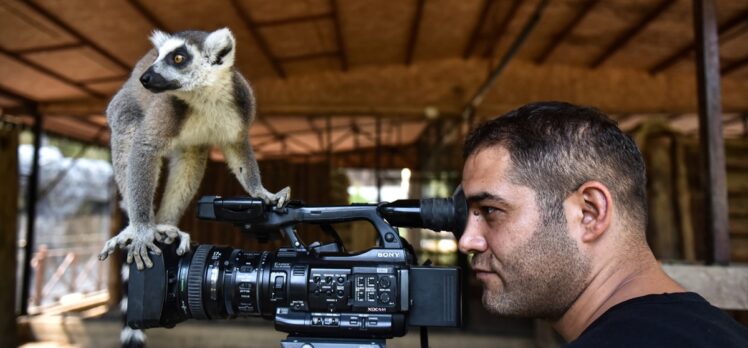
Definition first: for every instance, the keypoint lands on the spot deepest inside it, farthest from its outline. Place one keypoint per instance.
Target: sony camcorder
(320, 294)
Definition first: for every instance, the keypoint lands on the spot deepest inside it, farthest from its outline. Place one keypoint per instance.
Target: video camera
(318, 293)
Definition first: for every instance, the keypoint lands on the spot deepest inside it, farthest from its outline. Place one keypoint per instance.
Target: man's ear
(220, 46)
(596, 204)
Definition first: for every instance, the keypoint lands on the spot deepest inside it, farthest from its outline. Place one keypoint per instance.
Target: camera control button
(341, 293)
(371, 281)
(341, 279)
(316, 279)
(384, 282)
(328, 279)
(373, 322)
(384, 297)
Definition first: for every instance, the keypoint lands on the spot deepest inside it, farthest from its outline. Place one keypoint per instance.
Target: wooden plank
(685, 50)
(501, 29)
(339, 35)
(413, 38)
(710, 130)
(628, 35)
(735, 65)
(561, 36)
(8, 247)
(148, 15)
(81, 38)
(484, 10)
(261, 42)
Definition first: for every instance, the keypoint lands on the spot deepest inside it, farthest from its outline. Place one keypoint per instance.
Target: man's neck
(612, 284)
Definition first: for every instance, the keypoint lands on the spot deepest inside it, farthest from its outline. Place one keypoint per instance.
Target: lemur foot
(137, 239)
(167, 234)
(279, 199)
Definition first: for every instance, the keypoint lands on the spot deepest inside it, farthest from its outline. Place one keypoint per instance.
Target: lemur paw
(167, 234)
(281, 198)
(138, 240)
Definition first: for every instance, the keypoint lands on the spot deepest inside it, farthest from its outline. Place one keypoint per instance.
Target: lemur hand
(137, 239)
(279, 199)
(167, 234)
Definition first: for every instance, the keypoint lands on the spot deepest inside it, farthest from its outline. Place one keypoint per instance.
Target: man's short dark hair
(556, 147)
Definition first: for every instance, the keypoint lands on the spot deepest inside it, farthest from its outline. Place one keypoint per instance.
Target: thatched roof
(355, 60)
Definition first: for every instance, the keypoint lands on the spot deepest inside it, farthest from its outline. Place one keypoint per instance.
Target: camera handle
(317, 342)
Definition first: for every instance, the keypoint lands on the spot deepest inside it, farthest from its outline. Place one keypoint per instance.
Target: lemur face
(188, 61)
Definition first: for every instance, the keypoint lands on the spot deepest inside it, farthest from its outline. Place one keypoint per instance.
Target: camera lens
(221, 282)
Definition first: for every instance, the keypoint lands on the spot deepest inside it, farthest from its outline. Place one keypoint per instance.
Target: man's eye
(488, 210)
(178, 58)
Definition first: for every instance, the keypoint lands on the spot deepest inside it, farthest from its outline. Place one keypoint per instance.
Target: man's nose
(472, 240)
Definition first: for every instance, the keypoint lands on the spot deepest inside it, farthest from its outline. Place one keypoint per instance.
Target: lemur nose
(146, 78)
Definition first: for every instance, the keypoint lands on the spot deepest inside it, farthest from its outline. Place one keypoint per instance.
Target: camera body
(310, 290)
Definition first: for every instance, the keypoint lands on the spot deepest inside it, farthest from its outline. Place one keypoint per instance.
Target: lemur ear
(219, 46)
(158, 38)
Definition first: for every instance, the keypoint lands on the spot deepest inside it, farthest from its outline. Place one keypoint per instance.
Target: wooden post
(710, 130)
(8, 249)
(40, 267)
(31, 196)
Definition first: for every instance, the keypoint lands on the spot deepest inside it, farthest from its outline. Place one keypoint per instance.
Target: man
(557, 222)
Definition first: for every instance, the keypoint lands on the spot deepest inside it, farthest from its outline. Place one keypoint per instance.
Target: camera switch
(280, 281)
(360, 282)
(341, 279)
(373, 322)
(371, 281)
(372, 296)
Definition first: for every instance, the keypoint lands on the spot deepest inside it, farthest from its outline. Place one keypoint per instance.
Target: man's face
(529, 267)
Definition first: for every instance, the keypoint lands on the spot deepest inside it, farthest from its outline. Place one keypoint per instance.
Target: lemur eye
(178, 58)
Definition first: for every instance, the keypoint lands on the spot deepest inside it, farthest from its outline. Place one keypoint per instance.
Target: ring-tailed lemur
(182, 97)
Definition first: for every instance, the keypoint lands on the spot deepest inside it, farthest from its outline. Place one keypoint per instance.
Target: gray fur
(202, 102)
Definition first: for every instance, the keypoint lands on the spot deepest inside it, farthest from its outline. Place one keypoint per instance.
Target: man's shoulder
(664, 320)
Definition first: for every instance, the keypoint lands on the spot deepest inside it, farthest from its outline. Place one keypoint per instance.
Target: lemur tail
(130, 338)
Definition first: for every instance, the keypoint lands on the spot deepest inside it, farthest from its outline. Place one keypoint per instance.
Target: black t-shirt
(667, 320)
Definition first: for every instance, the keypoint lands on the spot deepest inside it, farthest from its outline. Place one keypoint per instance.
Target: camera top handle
(439, 214)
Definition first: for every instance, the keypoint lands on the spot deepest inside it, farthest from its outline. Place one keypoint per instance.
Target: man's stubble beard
(540, 279)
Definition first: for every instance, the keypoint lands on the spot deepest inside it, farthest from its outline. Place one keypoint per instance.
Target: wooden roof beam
(308, 56)
(488, 52)
(80, 37)
(628, 35)
(148, 15)
(51, 48)
(561, 36)
(294, 20)
(261, 42)
(339, 35)
(485, 8)
(683, 52)
(414, 28)
(732, 66)
(46, 71)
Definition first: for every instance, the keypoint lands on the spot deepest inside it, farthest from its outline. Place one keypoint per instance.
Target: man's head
(544, 182)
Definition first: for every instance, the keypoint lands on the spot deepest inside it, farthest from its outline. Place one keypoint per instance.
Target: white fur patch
(158, 38)
(168, 46)
(128, 335)
(123, 304)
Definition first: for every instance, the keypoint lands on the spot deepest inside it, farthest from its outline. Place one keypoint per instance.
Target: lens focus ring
(195, 281)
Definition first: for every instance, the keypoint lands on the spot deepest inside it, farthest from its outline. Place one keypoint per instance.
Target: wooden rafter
(414, 28)
(683, 52)
(732, 66)
(46, 71)
(80, 37)
(261, 42)
(561, 36)
(294, 20)
(339, 35)
(484, 10)
(15, 96)
(308, 56)
(629, 34)
(148, 15)
(51, 48)
(501, 28)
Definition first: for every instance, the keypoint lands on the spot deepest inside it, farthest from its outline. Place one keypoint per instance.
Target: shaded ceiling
(325, 70)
